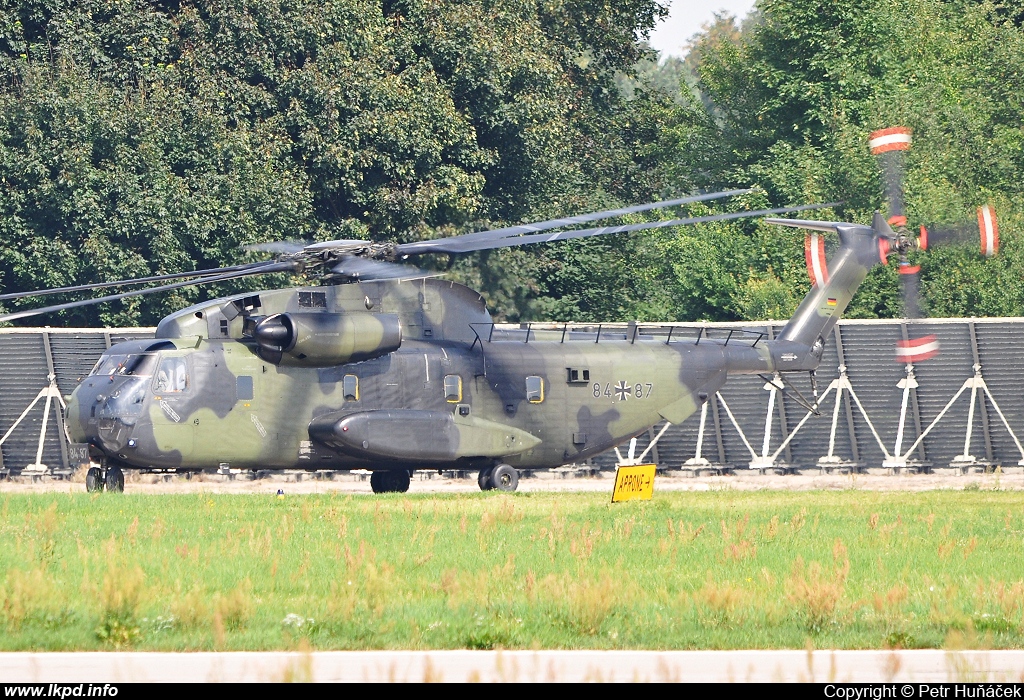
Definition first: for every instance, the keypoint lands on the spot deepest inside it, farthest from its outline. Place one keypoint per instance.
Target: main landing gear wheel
(483, 480)
(393, 481)
(94, 480)
(114, 479)
(504, 478)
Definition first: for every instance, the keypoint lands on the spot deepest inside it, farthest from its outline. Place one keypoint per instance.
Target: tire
(483, 479)
(505, 478)
(113, 480)
(400, 480)
(94, 480)
(391, 481)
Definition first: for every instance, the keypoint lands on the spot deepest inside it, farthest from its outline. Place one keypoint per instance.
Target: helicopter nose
(73, 419)
(85, 400)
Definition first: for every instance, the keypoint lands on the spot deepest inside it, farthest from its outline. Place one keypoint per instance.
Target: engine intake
(325, 340)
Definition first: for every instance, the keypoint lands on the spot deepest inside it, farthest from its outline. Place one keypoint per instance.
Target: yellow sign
(634, 483)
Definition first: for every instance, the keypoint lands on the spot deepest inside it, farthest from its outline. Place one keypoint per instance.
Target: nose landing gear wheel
(93, 480)
(394, 481)
(114, 479)
(504, 478)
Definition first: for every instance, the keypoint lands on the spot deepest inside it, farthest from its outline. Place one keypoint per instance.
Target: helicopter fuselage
(458, 392)
(172, 405)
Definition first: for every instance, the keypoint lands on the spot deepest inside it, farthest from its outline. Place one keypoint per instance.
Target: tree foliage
(795, 96)
(140, 137)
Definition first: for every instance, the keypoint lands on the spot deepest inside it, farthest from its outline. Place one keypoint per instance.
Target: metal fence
(31, 359)
(981, 365)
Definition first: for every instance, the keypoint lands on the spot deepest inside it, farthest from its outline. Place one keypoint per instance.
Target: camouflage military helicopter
(389, 369)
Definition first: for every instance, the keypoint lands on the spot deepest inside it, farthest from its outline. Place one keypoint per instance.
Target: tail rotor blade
(814, 254)
(910, 281)
(917, 349)
(889, 145)
(984, 232)
(920, 348)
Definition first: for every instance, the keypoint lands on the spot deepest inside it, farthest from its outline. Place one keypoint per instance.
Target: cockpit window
(172, 376)
(137, 365)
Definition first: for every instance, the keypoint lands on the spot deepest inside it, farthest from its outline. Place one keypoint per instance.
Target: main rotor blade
(420, 247)
(832, 226)
(276, 247)
(458, 244)
(365, 269)
(264, 269)
(125, 283)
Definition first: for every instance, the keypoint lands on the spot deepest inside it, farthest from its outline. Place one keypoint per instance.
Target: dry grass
(713, 570)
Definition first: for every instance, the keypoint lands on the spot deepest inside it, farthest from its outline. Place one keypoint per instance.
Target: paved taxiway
(430, 482)
(917, 666)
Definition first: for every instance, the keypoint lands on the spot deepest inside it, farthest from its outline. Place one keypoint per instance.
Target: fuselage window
(172, 376)
(350, 385)
(244, 388)
(313, 300)
(452, 388)
(535, 389)
(138, 365)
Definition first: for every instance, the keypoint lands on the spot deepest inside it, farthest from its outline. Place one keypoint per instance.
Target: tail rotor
(889, 146)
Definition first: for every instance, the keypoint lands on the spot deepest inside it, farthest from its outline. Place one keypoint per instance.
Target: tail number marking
(623, 390)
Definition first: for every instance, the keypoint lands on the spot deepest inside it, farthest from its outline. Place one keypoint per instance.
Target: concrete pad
(516, 666)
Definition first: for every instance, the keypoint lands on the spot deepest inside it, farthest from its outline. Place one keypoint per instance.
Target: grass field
(718, 570)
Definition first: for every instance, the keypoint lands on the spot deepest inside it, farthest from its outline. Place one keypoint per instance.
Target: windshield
(137, 365)
(126, 401)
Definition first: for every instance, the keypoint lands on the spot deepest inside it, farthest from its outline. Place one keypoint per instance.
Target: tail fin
(862, 247)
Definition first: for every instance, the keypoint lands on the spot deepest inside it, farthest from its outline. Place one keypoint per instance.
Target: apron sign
(633, 483)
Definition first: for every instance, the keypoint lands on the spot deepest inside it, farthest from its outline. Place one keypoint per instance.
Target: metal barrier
(875, 403)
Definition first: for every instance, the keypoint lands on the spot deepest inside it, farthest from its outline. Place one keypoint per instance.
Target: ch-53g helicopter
(389, 369)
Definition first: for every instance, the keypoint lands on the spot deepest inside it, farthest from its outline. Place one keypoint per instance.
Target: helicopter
(391, 369)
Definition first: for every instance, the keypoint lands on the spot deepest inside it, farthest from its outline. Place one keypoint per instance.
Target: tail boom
(862, 247)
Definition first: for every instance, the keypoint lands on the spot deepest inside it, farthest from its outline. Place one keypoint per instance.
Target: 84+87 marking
(623, 390)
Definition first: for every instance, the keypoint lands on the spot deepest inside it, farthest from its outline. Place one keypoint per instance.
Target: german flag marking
(917, 349)
(895, 139)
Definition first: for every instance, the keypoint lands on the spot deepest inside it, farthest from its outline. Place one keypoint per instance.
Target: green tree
(142, 137)
(795, 97)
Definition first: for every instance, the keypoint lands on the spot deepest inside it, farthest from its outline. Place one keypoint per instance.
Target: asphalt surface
(430, 482)
(918, 666)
